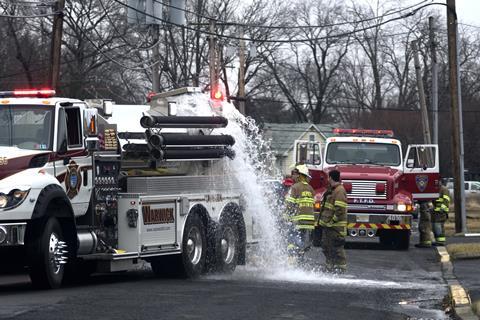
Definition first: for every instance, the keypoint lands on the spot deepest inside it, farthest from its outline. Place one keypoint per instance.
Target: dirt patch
(464, 250)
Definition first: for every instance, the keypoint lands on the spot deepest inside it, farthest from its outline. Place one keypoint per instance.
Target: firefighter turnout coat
(334, 211)
(441, 205)
(299, 206)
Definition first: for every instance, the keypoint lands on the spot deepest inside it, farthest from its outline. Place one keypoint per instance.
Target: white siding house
(282, 137)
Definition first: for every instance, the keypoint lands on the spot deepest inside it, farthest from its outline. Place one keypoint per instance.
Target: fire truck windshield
(384, 154)
(26, 126)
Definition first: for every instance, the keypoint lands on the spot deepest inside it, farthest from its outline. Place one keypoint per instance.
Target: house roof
(283, 135)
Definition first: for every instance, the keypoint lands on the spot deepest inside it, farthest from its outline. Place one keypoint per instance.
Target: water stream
(252, 166)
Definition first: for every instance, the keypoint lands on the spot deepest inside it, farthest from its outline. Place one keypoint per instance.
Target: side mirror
(409, 163)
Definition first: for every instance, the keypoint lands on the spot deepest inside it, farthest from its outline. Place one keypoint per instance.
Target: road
(380, 284)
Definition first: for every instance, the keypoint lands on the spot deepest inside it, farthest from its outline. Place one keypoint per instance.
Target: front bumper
(368, 224)
(12, 234)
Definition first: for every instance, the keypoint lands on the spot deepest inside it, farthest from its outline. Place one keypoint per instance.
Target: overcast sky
(468, 11)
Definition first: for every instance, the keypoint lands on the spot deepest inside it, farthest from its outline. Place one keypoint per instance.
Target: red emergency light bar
(364, 132)
(40, 93)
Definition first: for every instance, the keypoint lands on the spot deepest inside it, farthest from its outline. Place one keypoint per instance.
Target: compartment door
(421, 171)
(158, 223)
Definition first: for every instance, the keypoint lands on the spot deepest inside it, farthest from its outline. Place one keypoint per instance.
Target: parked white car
(470, 187)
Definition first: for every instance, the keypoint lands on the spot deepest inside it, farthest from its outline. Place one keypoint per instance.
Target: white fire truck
(78, 196)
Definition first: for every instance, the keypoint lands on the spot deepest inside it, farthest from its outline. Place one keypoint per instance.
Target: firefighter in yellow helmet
(333, 220)
(440, 214)
(299, 212)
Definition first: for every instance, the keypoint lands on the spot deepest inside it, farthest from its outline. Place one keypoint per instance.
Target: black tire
(191, 262)
(194, 247)
(227, 246)
(47, 256)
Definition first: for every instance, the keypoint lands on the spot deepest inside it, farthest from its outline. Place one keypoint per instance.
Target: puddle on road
(295, 275)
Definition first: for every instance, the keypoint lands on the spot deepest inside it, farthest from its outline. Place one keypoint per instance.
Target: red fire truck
(383, 187)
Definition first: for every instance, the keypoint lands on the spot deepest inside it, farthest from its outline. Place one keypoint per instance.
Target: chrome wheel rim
(56, 253)
(228, 245)
(194, 245)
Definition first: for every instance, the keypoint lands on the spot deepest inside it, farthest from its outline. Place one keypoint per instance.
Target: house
(282, 138)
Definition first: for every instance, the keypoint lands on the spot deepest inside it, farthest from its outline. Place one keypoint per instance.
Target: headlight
(13, 198)
(401, 207)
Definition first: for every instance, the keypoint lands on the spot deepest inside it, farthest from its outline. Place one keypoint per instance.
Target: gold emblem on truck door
(3, 161)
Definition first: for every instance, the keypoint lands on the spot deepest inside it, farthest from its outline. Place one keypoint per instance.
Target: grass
(473, 223)
(464, 250)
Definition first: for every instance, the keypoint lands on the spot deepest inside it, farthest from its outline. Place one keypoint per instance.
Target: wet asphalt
(467, 271)
(380, 284)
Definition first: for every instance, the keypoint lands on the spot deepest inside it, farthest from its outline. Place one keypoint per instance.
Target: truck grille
(366, 189)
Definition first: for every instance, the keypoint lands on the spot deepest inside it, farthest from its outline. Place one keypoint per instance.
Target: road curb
(459, 298)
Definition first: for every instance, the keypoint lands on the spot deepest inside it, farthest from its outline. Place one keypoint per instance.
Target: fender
(54, 195)
(51, 193)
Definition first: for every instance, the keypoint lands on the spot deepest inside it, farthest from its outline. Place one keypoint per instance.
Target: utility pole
(241, 74)
(433, 52)
(421, 95)
(458, 174)
(56, 49)
(156, 58)
(212, 57)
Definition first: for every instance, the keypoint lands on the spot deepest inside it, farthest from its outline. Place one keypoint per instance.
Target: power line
(239, 24)
(108, 57)
(121, 35)
(333, 108)
(340, 35)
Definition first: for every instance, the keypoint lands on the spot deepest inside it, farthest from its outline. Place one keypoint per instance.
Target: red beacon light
(39, 93)
(364, 132)
(150, 96)
(217, 94)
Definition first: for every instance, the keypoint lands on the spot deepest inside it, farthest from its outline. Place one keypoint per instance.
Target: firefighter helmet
(302, 169)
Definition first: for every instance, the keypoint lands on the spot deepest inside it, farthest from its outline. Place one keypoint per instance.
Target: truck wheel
(194, 247)
(227, 246)
(48, 256)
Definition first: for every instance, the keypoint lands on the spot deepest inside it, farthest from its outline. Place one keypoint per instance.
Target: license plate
(394, 217)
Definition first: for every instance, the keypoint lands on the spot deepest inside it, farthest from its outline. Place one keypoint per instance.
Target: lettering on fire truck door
(159, 223)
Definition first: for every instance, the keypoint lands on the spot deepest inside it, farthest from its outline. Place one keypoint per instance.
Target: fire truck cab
(382, 186)
(78, 196)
